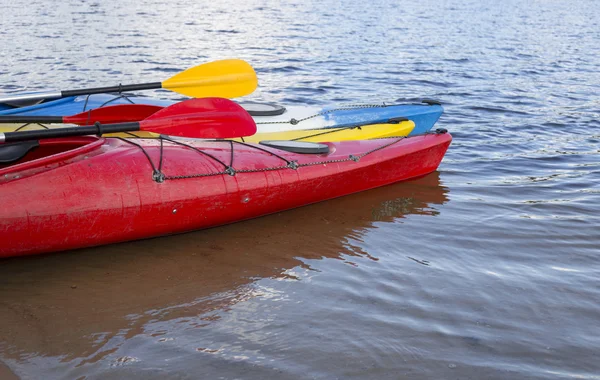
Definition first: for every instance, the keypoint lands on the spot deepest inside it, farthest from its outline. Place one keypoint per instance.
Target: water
(485, 269)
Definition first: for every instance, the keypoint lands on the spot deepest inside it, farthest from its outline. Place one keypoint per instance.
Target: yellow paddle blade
(227, 78)
(365, 132)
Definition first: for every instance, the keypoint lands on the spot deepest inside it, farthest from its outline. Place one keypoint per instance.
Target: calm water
(488, 268)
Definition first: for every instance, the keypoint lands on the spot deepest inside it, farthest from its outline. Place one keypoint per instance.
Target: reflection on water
(79, 307)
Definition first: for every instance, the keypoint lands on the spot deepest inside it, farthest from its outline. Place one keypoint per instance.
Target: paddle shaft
(119, 89)
(227, 78)
(97, 129)
(88, 91)
(31, 119)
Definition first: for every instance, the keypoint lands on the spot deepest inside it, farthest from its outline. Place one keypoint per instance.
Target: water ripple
(485, 269)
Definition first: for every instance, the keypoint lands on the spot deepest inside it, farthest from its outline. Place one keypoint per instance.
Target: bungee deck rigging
(229, 169)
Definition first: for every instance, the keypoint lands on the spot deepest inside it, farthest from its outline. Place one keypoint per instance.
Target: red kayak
(79, 192)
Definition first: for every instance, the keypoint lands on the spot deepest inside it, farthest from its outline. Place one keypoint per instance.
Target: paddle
(196, 118)
(227, 78)
(121, 113)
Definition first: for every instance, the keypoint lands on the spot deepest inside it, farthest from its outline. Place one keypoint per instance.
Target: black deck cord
(326, 132)
(121, 96)
(231, 160)
(158, 172)
(158, 176)
(86, 102)
(143, 151)
(26, 124)
(160, 159)
(197, 150)
(230, 142)
(262, 149)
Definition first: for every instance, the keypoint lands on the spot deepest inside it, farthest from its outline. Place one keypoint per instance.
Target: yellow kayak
(365, 132)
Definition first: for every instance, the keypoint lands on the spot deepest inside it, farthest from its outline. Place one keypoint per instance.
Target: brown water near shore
(72, 305)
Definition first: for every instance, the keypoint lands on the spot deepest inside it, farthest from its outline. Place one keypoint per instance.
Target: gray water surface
(486, 269)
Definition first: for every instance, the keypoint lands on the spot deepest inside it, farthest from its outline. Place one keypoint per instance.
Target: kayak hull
(102, 191)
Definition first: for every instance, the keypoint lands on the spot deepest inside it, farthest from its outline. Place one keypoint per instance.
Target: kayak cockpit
(13, 152)
(26, 155)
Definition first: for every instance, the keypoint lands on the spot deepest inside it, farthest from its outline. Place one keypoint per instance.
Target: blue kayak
(269, 117)
(75, 104)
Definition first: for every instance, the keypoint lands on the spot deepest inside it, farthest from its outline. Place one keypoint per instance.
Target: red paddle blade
(121, 113)
(205, 118)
